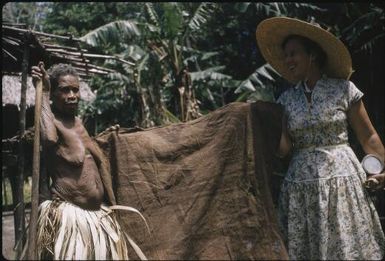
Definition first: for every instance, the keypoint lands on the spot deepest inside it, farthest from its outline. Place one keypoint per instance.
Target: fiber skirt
(68, 232)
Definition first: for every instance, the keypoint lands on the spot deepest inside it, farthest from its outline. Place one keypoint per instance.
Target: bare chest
(72, 143)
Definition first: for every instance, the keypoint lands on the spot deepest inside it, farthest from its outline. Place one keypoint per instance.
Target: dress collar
(302, 83)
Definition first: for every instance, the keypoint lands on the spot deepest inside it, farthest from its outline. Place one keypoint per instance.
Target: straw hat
(272, 32)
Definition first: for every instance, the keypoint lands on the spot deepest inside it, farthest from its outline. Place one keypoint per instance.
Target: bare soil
(8, 234)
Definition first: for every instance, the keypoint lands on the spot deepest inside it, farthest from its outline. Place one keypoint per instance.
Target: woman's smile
(297, 59)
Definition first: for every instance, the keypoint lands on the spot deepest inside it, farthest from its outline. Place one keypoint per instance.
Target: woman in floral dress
(325, 211)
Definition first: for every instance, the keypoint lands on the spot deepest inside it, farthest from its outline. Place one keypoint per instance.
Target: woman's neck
(312, 78)
(63, 116)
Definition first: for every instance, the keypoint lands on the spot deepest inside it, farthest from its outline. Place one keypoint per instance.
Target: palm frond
(209, 75)
(111, 32)
(266, 94)
(258, 79)
(141, 66)
(127, 208)
(172, 20)
(375, 14)
(153, 17)
(60, 239)
(102, 250)
(135, 52)
(201, 15)
(119, 79)
(83, 238)
(282, 8)
(366, 30)
(209, 55)
(369, 44)
(361, 25)
(80, 249)
(305, 7)
(91, 220)
(242, 6)
(136, 247)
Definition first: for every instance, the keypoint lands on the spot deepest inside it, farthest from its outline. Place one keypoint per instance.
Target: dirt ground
(8, 234)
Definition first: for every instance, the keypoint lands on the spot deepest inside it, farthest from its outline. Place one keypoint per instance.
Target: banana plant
(158, 41)
(177, 26)
(367, 30)
(260, 85)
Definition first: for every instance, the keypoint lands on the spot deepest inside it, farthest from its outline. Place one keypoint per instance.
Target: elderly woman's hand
(113, 128)
(376, 181)
(39, 74)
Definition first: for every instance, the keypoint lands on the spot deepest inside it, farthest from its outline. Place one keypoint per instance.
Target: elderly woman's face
(297, 59)
(66, 96)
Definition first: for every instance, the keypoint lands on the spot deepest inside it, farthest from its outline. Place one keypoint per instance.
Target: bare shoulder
(80, 129)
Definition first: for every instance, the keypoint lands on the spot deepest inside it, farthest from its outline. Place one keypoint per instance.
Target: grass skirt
(68, 232)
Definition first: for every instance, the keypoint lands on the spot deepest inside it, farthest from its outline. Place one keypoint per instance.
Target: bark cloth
(203, 186)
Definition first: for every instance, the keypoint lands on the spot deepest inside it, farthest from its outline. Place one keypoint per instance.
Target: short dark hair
(311, 47)
(58, 70)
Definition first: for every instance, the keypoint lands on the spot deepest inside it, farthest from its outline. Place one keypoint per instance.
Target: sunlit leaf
(259, 79)
(111, 32)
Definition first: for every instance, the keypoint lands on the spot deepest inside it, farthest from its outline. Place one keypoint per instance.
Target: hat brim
(272, 32)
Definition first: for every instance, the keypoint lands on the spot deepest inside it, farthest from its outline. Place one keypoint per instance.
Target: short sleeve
(282, 99)
(353, 94)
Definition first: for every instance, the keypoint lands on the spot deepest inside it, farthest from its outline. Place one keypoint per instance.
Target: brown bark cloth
(203, 186)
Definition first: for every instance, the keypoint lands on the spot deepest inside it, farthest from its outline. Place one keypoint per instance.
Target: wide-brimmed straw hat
(272, 32)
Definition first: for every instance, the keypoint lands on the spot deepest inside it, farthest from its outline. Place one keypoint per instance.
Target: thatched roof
(11, 90)
(51, 49)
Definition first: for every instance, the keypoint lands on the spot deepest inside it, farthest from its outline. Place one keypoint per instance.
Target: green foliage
(366, 30)
(111, 32)
(213, 44)
(159, 41)
(171, 21)
(260, 85)
(78, 18)
(236, 22)
(29, 13)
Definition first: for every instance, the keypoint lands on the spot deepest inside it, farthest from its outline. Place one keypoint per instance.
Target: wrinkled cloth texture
(203, 186)
(325, 212)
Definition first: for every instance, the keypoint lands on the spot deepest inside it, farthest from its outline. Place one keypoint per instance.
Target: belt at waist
(324, 149)
(321, 148)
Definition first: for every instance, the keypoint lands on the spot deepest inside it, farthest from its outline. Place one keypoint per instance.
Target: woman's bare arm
(285, 144)
(47, 126)
(367, 135)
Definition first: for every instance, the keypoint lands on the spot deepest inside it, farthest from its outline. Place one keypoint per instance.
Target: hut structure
(21, 49)
(11, 100)
(11, 90)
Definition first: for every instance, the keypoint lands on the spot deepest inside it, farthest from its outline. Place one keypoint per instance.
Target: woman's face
(66, 96)
(297, 59)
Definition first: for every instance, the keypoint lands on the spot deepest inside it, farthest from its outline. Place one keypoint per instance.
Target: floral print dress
(324, 209)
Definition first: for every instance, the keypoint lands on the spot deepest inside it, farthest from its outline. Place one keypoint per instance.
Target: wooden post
(4, 181)
(31, 254)
(19, 211)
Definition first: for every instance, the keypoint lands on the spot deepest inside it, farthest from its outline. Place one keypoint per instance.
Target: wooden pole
(19, 211)
(40, 33)
(53, 46)
(3, 180)
(31, 254)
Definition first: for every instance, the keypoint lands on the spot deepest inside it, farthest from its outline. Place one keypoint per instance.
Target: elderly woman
(325, 211)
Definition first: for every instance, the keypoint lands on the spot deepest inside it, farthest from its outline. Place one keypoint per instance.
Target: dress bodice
(323, 120)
